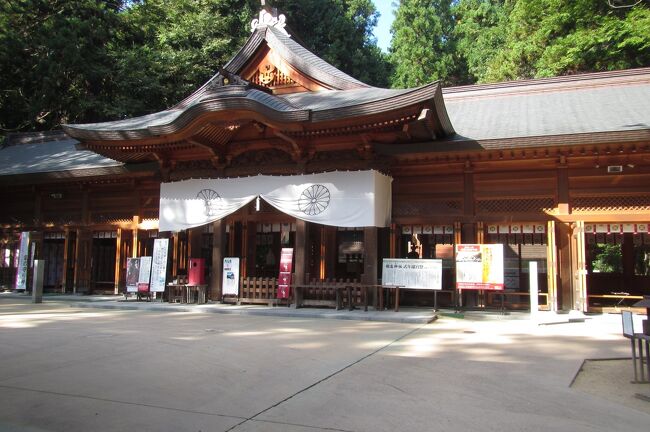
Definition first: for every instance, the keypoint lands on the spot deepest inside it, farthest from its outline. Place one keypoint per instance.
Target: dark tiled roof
(614, 102)
(52, 156)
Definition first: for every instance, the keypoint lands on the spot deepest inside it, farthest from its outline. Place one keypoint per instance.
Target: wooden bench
(613, 302)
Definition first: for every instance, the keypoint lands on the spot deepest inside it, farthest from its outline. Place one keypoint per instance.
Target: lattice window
(426, 208)
(515, 205)
(611, 204)
(268, 75)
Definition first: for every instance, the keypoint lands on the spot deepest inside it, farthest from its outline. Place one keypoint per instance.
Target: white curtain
(344, 199)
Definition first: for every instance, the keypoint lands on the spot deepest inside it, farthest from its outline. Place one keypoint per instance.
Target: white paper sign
(23, 262)
(628, 323)
(159, 265)
(145, 270)
(425, 274)
(230, 282)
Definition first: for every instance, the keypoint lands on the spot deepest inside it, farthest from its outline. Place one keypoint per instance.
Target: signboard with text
(230, 281)
(424, 274)
(479, 267)
(132, 274)
(23, 262)
(144, 274)
(159, 265)
(284, 279)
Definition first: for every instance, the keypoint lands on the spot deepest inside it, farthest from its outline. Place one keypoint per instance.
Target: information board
(479, 267)
(230, 281)
(159, 265)
(132, 274)
(424, 274)
(286, 267)
(23, 262)
(144, 274)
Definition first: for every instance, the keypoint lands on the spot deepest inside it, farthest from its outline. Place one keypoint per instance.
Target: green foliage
(340, 32)
(515, 39)
(172, 47)
(54, 61)
(607, 258)
(423, 46)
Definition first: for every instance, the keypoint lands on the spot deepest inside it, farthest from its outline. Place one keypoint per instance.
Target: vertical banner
(23, 262)
(479, 267)
(144, 274)
(159, 265)
(286, 267)
(230, 281)
(132, 274)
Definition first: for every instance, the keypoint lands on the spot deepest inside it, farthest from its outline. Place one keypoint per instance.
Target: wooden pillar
(38, 208)
(301, 251)
(175, 253)
(564, 269)
(331, 252)
(249, 236)
(579, 267)
(563, 187)
(83, 255)
(468, 230)
(66, 260)
(552, 266)
(118, 259)
(134, 229)
(218, 253)
(394, 241)
(194, 242)
(370, 244)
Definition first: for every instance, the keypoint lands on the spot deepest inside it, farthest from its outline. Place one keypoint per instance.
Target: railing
(322, 292)
(256, 291)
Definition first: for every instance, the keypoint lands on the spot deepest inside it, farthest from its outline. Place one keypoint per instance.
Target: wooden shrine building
(557, 170)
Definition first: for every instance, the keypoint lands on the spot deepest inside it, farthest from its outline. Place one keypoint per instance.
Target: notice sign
(230, 281)
(144, 274)
(159, 265)
(479, 267)
(132, 274)
(23, 262)
(286, 267)
(424, 274)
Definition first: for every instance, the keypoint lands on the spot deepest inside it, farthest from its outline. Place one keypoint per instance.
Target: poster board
(23, 262)
(132, 274)
(230, 281)
(628, 323)
(144, 274)
(284, 279)
(159, 265)
(423, 274)
(479, 267)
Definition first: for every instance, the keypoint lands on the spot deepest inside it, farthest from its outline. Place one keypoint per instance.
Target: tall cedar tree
(55, 61)
(517, 39)
(423, 45)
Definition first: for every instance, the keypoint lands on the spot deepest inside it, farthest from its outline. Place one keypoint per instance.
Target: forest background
(79, 61)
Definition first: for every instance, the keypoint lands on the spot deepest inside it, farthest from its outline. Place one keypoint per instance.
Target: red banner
(286, 267)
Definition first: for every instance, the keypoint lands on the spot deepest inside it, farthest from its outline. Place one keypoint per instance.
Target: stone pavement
(67, 368)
